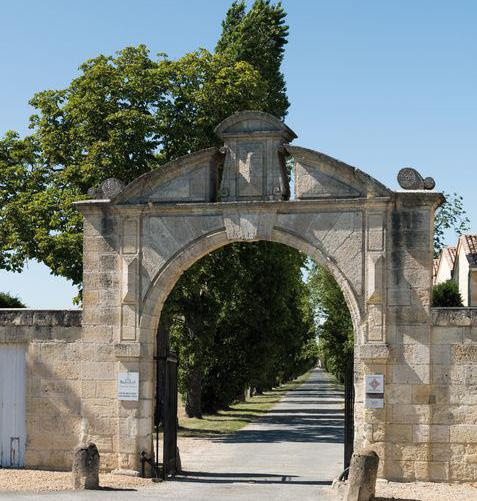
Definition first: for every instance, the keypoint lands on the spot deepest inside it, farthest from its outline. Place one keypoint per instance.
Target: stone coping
(456, 317)
(32, 317)
(204, 208)
(40, 309)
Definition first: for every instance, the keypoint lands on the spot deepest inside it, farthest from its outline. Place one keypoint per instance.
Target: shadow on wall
(53, 415)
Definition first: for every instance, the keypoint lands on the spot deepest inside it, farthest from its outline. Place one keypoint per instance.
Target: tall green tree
(334, 325)
(259, 37)
(124, 115)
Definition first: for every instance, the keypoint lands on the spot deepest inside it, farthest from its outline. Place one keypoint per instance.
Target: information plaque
(128, 386)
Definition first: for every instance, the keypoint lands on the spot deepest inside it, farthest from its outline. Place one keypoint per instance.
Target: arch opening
(169, 276)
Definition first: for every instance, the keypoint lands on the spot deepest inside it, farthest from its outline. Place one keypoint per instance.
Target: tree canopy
(9, 301)
(259, 37)
(333, 321)
(127, 114)
(124, 115)
(228, 336)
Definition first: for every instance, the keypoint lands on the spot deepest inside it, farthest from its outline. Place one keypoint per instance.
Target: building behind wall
(459, 263)
(444, 265)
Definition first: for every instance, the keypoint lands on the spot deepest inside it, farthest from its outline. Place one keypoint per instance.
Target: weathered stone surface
(34, 318)
(191, 178)
(454, 317)
(164, 236)
(127, 350)
(464, 354)
(254, 167)
(337, 234)
(53, 388)
(372, 351)
(253, 225)
(410, 179)
(362, 476)
(376, 243)
(86, 467)
(320, 176)
(429, 183)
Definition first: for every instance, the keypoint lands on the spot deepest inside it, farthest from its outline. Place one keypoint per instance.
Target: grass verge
(237, 415)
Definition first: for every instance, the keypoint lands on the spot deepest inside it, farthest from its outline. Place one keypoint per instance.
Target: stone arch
(138, 239)
(168, 275)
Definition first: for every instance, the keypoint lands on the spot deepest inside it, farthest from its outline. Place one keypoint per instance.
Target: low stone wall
(430, 414)
(453, 428)
(52, 339)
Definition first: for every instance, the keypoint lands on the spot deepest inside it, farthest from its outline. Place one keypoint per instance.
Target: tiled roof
(469, 243)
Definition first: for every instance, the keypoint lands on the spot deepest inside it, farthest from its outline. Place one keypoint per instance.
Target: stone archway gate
(140, 238)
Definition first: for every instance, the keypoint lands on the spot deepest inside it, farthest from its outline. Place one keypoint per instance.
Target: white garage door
(12, 401)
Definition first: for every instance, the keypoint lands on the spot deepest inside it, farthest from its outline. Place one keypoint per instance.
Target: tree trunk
(193, 402)
(193, 378)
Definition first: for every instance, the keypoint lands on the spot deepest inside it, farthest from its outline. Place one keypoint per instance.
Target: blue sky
(380, 85)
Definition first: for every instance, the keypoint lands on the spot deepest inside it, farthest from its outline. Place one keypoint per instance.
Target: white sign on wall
(128, 386)
(374, 383)
(373, 403)
(374, 391)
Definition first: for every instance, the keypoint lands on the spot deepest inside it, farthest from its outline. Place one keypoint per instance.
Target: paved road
(291, 453)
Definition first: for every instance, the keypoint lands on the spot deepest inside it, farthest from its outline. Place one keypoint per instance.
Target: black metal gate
(162, 344)
(165, 410)
(349, 412)
(170, 451)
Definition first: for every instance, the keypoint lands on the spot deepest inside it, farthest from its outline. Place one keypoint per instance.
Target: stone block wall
(427, 430)
(402, 353)
(52, 341)
(452, 428)
(120, 429)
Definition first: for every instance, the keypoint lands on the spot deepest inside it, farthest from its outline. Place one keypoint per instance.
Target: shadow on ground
(115, 489)
(247, 478)
(308, 423)
(396, 499)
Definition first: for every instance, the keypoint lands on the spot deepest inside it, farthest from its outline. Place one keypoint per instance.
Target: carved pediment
(191, 178)
(255, 144)
(253, 123)
(320, 176)
(254, 166)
